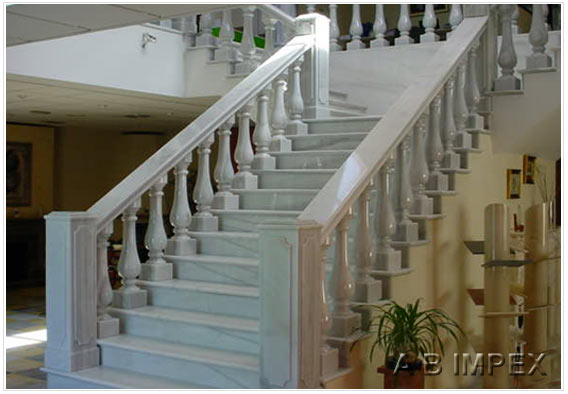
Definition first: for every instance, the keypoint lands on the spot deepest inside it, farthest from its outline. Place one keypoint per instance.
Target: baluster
(269, 29)
(463, 138)
(180, 216)
(311, 8)
(419, 174)
(507, 57)
(334, 32)
(188, 26)
(435, 149)
(223, 172)
(244, 154)
(261, 137)
(379, 28)
(451, 159)
(129, 267)
(355, 29)
(204, 220)
(345, 322)
(296, 102)
(227, 50)
(407, 231)
(515, 28)
(329, 356)
(387, 258)
(472, 95)
(538, 37)
(156, 239)
(404, 26)
(367, 289)
(545, 16)
(429, 21)
(456, 16)
(279, 142)
(107, 326)
(205, 38)
(248, 47)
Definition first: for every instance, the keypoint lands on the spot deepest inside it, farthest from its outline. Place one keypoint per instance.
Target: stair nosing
(235, 234)
(329, 135)
(204, 287)
(296, 170)
(344, 119)
(214, 259)
(279, 212)
(269, 191)
(319, 152)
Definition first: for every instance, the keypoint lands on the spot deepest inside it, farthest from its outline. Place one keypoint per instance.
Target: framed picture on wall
(529, 168)
(513, 184)
(18, 174)
(418, 9)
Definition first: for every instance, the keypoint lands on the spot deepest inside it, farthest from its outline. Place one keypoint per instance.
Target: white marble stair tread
(337, 95)
(191, 317)
(344, 119)
(114, 378)
(311, 158)
(347, 105)
(204, 287)
(272, 191)
(212, 259)
(341, 124)
(260, 212)
(327, 141)
(185, 352)
(294, 178)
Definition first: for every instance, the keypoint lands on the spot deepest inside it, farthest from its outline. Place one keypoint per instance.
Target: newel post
(315, 69)
(290, 305)
(71, 291)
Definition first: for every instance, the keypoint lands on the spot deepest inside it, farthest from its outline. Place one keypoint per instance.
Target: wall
(444, 268)
(42, 140)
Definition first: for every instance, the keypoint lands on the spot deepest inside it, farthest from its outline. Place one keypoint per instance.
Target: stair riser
(191, 300)
(173, 368)
(189, 334)
(311, 161)
(316, 142)
(249, 222)
(217, 273)
(227, 246)
(358, 126)
(276, 201)
(293, 181)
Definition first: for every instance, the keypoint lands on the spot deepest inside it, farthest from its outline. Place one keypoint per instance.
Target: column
(334, 33)
(223, 172)
(407, 231)
(451, 159)
(379, 28)
(507, 57)
(204, 220)
(538, 37)
(435, 149)
(404, 26)
(419, 174)
(244, 153)
(296, 102)
(107, 326)
(279, 142)
(472, 95)
(248, 47)
(262, 159)
(355, 29)
(429, 21)
(227, 51)
(461, 113)
(329, 356)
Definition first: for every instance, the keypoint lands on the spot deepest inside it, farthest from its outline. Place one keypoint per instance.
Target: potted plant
(406, 334)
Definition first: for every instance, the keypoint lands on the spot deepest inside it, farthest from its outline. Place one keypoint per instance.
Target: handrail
(341, 191)
(142, 178)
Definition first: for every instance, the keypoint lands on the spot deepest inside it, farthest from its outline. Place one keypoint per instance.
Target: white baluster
(205, 38)
(262, 137)
(538, 37)
(279, 142)
(545, 16)
(507, 56)
(107, 326)
(244, 154)
(451, 159)
(248, 47)
(156, 239)
(463, 138)
(269, 30)
(223, 172)
(434, 147)
(328, 355)
(472, 95)
(407, 231)
(311, 8)
(419, 174)
(296, 102)
(227, 50)
(387, 258)
(345, 322)
(355, 29)
(204, 220)
(367, 289)
(515, 28)
(129, 267)
(180, 215)
(379, 28)
(429, 21)
(187, 25)
(333, 29)
(404, 26)
(456, 16)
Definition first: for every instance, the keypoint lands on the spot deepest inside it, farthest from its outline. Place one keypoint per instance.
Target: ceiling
(36, 22)
(61, 104)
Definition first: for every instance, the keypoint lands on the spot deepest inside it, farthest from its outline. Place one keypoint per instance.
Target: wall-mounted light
(148, 38)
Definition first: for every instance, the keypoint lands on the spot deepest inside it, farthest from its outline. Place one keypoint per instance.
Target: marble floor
(25, 338)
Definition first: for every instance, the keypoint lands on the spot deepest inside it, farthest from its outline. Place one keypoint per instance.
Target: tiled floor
(25, 338)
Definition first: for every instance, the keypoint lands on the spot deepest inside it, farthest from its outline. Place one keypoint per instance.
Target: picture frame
(513, 184)
(18, 174)
(529, 169)
(418, 9)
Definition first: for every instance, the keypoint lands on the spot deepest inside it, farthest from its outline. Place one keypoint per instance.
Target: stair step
(207, 297)
(191, 364)
(293, 179)
(277, 199)
(226, 243)
(331, 141)
(347, 124)
(337, 95)
(341, 104)
(216, 269)
(190, 328)
(320, 159)
(249, 219)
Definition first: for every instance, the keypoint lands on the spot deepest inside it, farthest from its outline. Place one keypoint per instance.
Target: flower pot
(403, 379)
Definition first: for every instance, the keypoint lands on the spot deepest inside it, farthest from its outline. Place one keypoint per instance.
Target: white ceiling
(61, 104)
(36, 22)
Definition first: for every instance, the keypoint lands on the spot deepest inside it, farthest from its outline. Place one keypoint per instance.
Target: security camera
(148, 38)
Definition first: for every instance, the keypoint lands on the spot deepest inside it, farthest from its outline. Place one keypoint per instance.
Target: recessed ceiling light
(37, 111)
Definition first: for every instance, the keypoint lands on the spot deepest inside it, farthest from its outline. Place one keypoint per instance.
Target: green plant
(410, 331)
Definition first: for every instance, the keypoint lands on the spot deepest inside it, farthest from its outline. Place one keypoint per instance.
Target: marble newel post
(223, 172)
(333, 29)
(156, 239)
(355, 29)
(329, 356)
(296, 102)
(507, 57)
(419, 174)
(279, 142)
(538, 37)
(472, 95)
(404, 26)
(407, 231)
(244, 154)
(107, 326)
(379, 28)
(435, 149)
(429, 21)
(262, 159)
(204, 220)
(129, 295)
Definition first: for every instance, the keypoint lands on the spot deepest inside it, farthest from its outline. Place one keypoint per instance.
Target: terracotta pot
(402, 379)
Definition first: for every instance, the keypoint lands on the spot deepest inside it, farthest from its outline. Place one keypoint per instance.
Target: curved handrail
(142, 178)
(341, 191)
